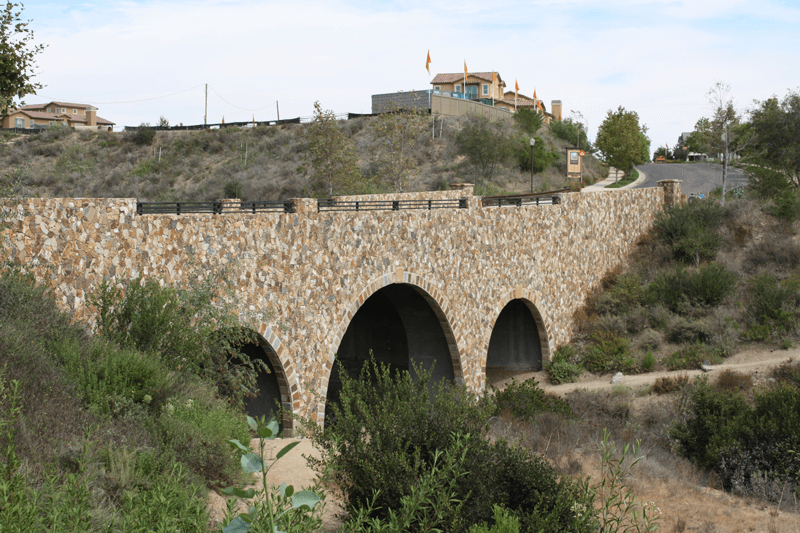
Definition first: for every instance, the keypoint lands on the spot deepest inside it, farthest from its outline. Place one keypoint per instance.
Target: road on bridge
(696, 177)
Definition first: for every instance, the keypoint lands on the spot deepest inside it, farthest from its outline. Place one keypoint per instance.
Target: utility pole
(205, 116)
(278, 109)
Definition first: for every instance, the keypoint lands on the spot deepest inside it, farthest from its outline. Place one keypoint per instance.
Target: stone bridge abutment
(449, 278)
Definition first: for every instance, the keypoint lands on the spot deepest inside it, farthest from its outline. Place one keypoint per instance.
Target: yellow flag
(428, 63)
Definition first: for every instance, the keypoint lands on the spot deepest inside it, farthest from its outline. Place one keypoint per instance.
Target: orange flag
(465, 68)
(223, 119)
(254, 118)
(428, 63)
(534, 95)
(516, 87)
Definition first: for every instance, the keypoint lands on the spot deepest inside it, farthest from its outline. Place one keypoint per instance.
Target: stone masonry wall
(311, 271)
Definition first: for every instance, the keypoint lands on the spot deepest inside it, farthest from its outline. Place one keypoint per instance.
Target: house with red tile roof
(478, 84)
(78, 116)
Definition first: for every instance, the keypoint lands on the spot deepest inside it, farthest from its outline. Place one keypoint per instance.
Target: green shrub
(407, 425)
(667, 384)
(648, 361)
(542, 157)
(786, 205)
(692, 357)
(504, 522)
(787, 373)
(486, 145)
(766, 183)
(529, 121)
(525, 400)
(626, 292)
(690, 230)
(142, 136)
(772, 302)
(564, 372)
(609, 353)
(232, 189)
(683, 330)
(566, 130)
(682, 288)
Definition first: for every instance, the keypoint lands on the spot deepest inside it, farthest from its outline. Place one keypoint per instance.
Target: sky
(139, 60)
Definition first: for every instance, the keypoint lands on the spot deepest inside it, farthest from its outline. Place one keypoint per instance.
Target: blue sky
(657, 58)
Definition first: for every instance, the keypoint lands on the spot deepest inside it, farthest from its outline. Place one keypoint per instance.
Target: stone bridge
(464, 291)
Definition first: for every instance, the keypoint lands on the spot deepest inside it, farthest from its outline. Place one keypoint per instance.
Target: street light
(533, 141)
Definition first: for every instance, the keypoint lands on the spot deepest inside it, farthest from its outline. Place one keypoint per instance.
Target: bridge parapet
(308, 272)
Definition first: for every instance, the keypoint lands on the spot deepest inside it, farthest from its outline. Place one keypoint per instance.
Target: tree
(331, 155)
(622, 141)
(17, 57)
(397, 131)
(661, 152)
(776, 130)
(485, 144)
(528, 120)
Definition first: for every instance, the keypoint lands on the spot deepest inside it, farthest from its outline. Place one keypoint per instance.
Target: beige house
(489, 85)
(478, 84)
(78, 116)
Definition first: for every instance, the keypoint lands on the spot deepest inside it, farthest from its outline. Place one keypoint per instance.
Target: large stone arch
(435, 299)
(285, 373)
(534, 305)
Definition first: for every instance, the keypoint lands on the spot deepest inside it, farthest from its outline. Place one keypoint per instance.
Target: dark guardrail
(518, 200)
(216, 208)
(329, 204)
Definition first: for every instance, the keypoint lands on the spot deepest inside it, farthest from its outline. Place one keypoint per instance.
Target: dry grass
(196, 165)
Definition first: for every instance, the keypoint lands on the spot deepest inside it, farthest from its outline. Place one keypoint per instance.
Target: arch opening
(272, 386)
(397, 324)
(515, 345)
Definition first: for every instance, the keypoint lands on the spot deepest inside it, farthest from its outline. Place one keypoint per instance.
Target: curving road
(696, 177)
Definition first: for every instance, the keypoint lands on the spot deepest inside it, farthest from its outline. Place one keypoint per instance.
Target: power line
(144, 99)
(234, 105)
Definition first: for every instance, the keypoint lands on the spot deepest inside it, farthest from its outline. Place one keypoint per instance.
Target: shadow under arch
(520, 337)
(399, 316)
(280, 383)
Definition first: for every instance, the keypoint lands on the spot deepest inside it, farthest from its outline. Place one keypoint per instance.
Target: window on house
(74, 111)
(437, 88)
(48, 110)
(485, 88)
(19, 122)
(63, 110)
(458, 88)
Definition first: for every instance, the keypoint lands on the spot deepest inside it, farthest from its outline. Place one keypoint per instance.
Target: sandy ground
(701, 508)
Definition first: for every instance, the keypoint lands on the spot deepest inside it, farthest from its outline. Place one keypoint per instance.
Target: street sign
(582, 153)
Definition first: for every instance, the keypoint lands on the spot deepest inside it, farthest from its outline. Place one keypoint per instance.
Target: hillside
(265, 162)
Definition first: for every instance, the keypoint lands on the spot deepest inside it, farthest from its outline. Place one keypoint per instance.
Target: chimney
(91, 117)
(555, 109)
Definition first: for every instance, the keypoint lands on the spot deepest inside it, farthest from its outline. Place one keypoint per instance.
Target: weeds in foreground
(275, 509)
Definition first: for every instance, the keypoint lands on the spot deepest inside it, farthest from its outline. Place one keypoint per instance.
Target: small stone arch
(533, 304)
(285, 374)
(435, 299)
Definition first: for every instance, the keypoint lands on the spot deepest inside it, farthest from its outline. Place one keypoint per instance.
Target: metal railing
(215, 208)
(330, 204)
(518, 200)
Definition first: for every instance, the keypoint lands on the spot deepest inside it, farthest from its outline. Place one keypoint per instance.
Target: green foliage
(766, 183)
(528, 120)
(397, 132)
(525, 400)
(274, 509)
(562, 369)
(742, 442)
(680, 289)
(571, 132)
(620, 509)
(692, 357)
(626, 292)
(486, 144)
(19, 57)
(772, 302)
(331, 156)
(190, 327)
(622, 140)
(648, 361)
(776, 130)
(407, 425)
(690, 230)
(504, 522)
(232, 189)
(142, 136)
(787, 205)
(609, 353)
(542, 157)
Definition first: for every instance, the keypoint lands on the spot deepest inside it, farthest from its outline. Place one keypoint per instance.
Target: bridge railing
(519, 200)
(216, 208)
(329, 204)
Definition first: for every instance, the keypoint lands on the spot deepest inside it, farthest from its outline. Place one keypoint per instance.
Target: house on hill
(479, 85)
(78, 116)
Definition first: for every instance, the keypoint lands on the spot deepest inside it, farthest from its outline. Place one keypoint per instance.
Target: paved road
(696, 177)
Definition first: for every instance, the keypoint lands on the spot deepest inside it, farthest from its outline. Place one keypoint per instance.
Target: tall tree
(397, 131)
(776, 129)
(622, 140)
(485, 144)
(331, 155)
(17, 57)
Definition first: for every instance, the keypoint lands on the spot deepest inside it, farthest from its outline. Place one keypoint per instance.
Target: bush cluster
(525, 400)
(388, 430)
(690, 230)
(562, 368)
(680, 289)
(746, 444)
